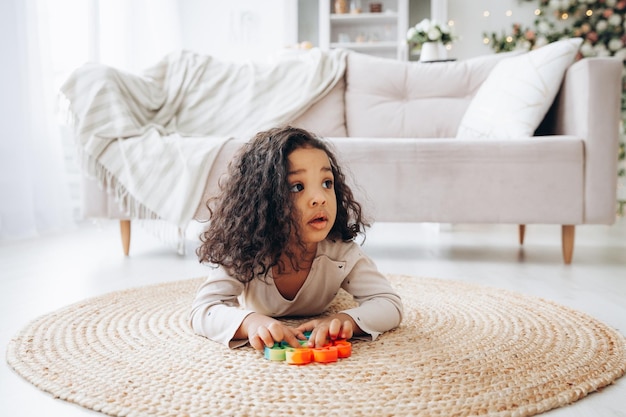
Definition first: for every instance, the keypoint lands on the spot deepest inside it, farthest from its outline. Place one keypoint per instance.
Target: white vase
(430, 51)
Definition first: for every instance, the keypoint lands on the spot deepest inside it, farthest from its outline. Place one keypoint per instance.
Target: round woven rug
(461, 350)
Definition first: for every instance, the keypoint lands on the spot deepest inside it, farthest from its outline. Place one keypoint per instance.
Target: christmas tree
(601, 24)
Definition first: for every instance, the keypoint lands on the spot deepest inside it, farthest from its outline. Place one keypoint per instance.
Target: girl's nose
(318, 199)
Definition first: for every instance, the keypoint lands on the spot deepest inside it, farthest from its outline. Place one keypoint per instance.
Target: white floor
(44, 274)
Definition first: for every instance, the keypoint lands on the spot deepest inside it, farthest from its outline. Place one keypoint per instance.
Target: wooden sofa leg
(125, 230)
(567, 238)
(522, 233)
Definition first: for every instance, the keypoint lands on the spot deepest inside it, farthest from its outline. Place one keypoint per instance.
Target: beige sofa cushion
(446, 180)
(387, 98)
(326, 117)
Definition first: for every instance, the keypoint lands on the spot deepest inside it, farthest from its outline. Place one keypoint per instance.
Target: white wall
(252, 29)
(238, 29)
(470, 23)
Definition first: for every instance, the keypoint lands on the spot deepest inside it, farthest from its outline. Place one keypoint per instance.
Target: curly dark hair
(252, 219)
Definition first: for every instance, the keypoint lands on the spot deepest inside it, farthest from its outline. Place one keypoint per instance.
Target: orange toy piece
(300, 356)
(325, 354)
(344, 348)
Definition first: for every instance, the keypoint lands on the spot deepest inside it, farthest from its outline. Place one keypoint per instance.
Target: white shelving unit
(381, 34)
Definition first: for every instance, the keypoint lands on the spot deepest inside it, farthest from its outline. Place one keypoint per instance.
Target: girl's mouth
(319, 221)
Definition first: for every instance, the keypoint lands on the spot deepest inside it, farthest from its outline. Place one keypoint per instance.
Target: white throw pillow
(518, 92)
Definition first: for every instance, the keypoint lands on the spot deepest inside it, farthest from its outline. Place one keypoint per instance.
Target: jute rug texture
(462, 350)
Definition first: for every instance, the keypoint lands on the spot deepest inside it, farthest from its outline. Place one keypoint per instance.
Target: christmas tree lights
(601, 24)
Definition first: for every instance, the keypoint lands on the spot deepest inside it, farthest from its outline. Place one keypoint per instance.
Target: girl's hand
(338, 326)
(264, 331)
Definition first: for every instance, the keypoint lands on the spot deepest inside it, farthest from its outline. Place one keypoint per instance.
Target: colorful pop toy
(337, 349)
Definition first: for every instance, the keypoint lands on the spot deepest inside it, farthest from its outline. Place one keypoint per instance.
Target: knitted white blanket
(150, 139)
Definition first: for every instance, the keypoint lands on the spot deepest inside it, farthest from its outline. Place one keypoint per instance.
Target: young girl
(281, 236)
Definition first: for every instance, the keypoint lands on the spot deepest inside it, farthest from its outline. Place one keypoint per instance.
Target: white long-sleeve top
(223, 302)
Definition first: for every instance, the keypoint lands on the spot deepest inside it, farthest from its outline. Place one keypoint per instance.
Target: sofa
(396, 126)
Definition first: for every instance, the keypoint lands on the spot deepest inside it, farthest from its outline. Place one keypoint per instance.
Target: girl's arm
(216, 314)
(379, 305)
(215, 311)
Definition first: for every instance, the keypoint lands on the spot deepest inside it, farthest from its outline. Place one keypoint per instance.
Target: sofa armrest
(588, 106)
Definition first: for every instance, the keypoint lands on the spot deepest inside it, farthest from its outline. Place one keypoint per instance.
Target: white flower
(543, 26)
(587, 49)
(541, 41)
(434, 34)
(615, 44)
(601, 25)
(621, 54)
(423, 26)
(431, 31)
(601, 50)
(615, 19)
(610, 3)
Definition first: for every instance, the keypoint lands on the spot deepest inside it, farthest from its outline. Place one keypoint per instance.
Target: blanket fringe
(66, 116)
(168, 233)
(171, 235)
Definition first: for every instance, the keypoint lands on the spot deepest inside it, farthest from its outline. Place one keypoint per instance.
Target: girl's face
(311, 181)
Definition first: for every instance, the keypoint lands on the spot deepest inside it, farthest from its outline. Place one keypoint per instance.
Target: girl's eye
(328, 184)
(296, 188)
